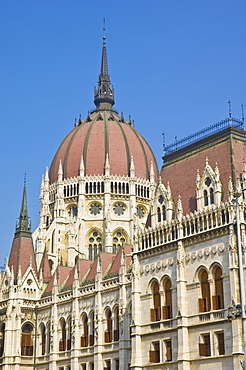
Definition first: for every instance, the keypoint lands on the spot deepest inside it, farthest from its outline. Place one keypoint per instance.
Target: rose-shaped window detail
(140, 212)
(95, 209)
(119, 209)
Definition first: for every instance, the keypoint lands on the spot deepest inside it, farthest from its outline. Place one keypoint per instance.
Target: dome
(104, 132)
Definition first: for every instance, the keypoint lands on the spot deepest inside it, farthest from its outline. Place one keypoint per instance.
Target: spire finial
(104, 93)
(23, 224)
(229, 103)
(242, 113)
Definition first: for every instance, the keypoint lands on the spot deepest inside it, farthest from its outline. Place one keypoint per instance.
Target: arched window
(218, 299)
(92, 329)
(43, 339)
(211, 192)
(205, 194)
(204, 302)
(69, 332)
(159, 214)
(2, 335)
(48, 337)
(167, 309)
(95, 244)
(108, 332)
(84, 337)
(163, 213)
(27, 340)
(119, 239)
(116, 324)
(155, 313)
(62, 342)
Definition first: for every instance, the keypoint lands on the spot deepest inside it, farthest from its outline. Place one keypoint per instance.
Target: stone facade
(126, 273)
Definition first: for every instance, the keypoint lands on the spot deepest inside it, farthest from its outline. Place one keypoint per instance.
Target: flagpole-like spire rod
(104, 93)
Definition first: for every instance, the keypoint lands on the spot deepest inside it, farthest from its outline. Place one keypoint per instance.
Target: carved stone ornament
(200, 253)
(170, 261)
(153, 266)
(158, 265)
(214, 249)
(147, 268)
(207, 251)
(141, 270)
(221, 247)
(194, 255)
(187, 257)
(164, 263)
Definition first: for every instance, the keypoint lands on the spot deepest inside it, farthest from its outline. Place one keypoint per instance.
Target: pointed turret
(60, 172)
(23, 226)
(22, 251)
(104, 93)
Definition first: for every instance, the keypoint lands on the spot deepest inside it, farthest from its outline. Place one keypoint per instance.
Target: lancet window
(204, 301)
(155, 312)
(27, 340)
(95, 244)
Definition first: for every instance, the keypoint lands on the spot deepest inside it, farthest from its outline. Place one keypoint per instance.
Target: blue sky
(174, 66)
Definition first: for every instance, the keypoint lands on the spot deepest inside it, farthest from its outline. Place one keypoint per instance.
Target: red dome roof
(101, 133)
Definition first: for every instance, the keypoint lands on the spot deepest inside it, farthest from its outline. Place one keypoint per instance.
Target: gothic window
(141, 211)
(211, 192)
(108, 332)
(218, 298)
(27, 340)
(159, 214)
(161, 199)
(62, 342)
(204, 302)
(69, 332)
(116, 324)
(119, 209)
(119, 239)
(48, 337)
(95, 209)
(84, 337)
(91, 329)
(95, 244)
(2, 334)
(43, 339)
(167, 309)
(155, 313)
(205, 193)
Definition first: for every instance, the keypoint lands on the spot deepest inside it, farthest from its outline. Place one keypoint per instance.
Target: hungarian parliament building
(131, 266)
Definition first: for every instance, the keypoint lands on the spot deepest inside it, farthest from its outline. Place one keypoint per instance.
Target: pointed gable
(45, 268)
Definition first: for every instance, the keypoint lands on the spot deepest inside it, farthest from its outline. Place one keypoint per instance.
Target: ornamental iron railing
(199, 135)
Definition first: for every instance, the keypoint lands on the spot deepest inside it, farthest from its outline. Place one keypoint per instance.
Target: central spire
(104, 93)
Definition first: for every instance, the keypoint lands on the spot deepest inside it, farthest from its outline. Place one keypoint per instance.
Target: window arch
(167, 309)
(62, 342)
(91, 329)
(84, 337)
(27, 340)
(95, 243)
(116, 324)
(205, 301)
(108, 332)
(218, 298)
(43, 339)
(119, 239)
(155, 312)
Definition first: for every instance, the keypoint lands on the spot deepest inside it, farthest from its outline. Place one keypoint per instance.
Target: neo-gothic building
(129, 268)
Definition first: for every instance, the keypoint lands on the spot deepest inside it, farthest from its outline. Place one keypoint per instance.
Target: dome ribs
(87, 141)
(67, 153)
(106, 139)
(127, 147)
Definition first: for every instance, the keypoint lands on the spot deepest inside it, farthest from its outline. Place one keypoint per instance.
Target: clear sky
(174, 66)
